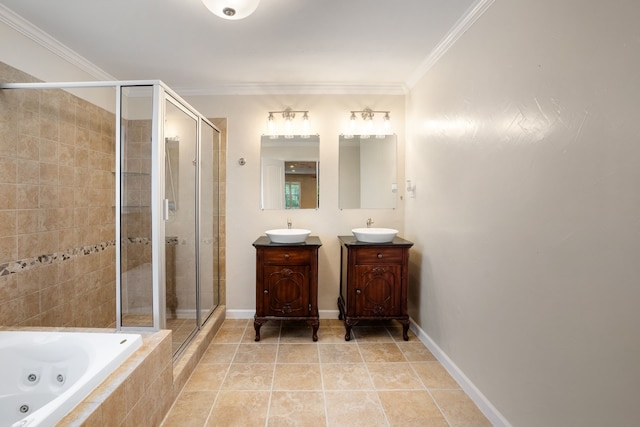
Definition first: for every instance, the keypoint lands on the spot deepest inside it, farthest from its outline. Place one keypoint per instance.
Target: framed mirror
(289, 168)
(367, 172)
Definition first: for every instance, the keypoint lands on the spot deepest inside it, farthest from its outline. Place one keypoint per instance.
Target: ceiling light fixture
(231, 9)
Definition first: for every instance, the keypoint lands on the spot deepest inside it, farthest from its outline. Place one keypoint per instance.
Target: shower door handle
(165, 209)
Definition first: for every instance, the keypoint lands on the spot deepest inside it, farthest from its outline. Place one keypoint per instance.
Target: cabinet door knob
(286, 256)
(358, 291)
(379, 256)
(266, 291)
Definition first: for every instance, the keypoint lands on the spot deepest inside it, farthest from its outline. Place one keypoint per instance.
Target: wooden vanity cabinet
(373, 282)
(287, 282)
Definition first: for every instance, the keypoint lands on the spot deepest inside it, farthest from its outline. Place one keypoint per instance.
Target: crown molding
(463, 24)
(303, 89)
(43, 39)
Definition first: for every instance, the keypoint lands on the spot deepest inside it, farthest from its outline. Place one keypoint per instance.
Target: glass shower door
(209, 220)
(180, 221)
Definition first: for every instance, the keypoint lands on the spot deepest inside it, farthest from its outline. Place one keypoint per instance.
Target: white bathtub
(43, 375)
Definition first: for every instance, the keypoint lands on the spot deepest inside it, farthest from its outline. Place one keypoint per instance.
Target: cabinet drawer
(377, 255)
(286, 256)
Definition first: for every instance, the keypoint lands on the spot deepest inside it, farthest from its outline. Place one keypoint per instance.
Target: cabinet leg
(348, 323)
(257, 324)
(405, 330)
(315, 324)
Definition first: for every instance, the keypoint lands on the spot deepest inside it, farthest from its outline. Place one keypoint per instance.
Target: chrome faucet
(369, 222)
(289, 223)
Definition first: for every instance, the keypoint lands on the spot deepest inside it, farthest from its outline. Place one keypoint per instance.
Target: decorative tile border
(31, 263)
(34, 262)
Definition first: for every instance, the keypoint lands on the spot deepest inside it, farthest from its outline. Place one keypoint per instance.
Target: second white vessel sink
(288, 235)
(374, 235)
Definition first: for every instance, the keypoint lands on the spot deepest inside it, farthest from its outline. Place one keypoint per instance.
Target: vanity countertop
(265, 241)
(352, 241)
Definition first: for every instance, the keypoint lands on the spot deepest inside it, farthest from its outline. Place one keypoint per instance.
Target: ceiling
(346, 44)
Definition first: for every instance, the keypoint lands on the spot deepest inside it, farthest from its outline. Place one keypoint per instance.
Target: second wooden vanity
(373, 282)
(287, 282)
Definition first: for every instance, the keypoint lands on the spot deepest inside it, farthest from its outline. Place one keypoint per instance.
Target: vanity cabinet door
(377, 291)
(286, 290)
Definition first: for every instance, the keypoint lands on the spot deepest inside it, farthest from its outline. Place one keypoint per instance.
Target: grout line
(226, 374)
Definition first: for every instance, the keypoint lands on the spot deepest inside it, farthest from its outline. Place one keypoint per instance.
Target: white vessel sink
(374, 235)
(288, 235)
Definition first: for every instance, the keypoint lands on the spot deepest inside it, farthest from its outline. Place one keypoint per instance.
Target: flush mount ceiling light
(231, 9)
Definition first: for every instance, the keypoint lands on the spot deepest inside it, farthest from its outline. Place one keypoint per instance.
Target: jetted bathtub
(46, 374)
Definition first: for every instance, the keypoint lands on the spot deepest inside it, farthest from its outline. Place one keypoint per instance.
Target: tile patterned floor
(286, 379)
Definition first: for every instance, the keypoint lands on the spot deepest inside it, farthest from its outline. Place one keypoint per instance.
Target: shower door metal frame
(160, 90)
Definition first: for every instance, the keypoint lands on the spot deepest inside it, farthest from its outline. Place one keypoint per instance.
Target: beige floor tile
(298, 353)
(374, 379)
(237, 323)
(411, 409)
(354, 409)
(249, 377)
(351, 376)
(339, 353)
(434, 376)
(219, 353)
(256, 353)
(396, 334)
(415, 352)
(394, 376)
(381, 352)
(206, 377)
(269, 334)
(331, 323)
(295, 408)
(459, 409)
(296, 332)
(228, 334)
(297, 376)
(240, 409)
(367, 334)
(332, 334)
(190, 409)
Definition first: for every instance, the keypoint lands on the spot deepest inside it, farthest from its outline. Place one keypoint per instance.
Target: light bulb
(288, 128)
(305, 126)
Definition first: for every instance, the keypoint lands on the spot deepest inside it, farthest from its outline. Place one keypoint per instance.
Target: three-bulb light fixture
(288, 128)
(232, 9)
(369, 126)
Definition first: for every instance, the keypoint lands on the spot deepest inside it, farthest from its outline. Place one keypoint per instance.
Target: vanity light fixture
(288, 115)
(231, 9)
(369, 128)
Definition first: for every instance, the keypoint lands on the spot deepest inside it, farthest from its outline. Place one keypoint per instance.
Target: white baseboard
(240, 314)
(248, 314)
(472, 391)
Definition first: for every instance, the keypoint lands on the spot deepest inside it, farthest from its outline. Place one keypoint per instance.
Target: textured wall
(523, 144)
(57, 224)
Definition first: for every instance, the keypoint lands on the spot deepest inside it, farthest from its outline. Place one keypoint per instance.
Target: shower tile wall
(57, 223)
